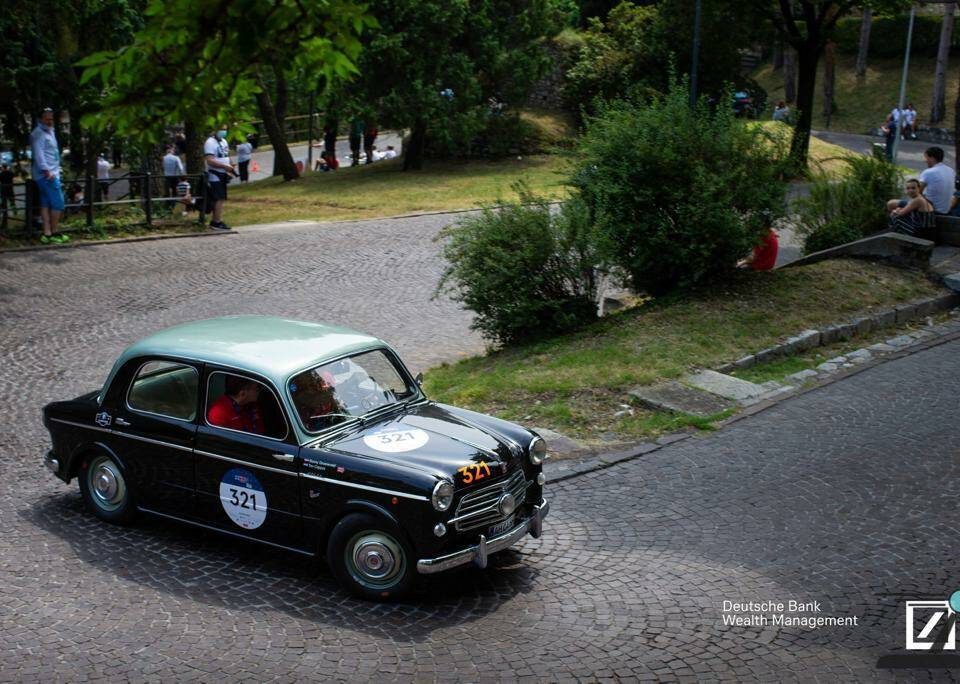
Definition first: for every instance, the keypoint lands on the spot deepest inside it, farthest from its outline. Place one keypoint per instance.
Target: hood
(431, 438)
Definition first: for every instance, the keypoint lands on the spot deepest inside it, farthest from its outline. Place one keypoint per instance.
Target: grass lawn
(383, 189)
(863, 104)
(577, 383)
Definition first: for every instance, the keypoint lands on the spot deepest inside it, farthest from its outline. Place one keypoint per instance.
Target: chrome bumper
(478, 554)
(52, 464)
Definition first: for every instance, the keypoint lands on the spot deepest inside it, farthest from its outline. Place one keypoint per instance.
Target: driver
(315, 397)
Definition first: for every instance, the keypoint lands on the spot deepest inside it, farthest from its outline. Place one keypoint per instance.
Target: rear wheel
(105, 489)
(370, 558)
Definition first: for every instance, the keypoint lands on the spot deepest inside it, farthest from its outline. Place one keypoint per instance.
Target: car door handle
(286, 458)
(121, 422)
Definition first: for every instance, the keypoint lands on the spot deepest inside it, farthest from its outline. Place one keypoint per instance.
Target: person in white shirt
(390, 152)
(909, 117)
(244, 155)
(216, 154)
(937, 180)
(172, 170)
(103, 176)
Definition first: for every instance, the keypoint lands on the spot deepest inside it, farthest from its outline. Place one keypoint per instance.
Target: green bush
(841, 211)
(678, 195)
(888, 35)
(524, 268)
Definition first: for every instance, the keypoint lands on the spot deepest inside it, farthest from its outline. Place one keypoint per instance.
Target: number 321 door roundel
(243, 498)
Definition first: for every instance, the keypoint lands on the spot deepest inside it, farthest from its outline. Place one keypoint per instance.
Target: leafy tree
(202, 62)
(432, 64)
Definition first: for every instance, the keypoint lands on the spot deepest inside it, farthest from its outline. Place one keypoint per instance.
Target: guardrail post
(28, 190)
(147, 206)
(88, 196)
(202, 200)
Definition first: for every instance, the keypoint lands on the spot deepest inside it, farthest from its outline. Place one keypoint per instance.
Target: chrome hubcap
(106, 484)
(376, 558)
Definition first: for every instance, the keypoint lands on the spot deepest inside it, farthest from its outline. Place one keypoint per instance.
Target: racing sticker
(243, 498)
(395, 441)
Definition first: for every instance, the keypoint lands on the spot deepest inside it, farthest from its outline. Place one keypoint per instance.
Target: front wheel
(105, 490)
(369, 557)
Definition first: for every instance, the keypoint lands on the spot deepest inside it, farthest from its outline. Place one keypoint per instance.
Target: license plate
(500, 528)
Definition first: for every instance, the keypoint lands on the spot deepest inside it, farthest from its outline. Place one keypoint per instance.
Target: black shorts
(172, 185)
(217, 191)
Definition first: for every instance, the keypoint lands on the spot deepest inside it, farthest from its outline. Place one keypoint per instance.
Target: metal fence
(92, 197)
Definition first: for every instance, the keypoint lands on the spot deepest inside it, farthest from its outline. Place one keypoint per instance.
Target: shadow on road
(204, 567)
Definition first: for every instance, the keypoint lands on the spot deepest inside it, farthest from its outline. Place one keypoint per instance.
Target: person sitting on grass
(184, 197)
(764, 255)
(914, 215)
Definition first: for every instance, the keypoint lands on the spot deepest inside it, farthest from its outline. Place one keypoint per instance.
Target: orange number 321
(474, 471)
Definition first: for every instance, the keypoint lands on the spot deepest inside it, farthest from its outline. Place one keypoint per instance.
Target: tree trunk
(195, 137)
(282, 159)
(829, 79)
(865, 26)
(413, 153)
(280, 109)
(778, 53)
(789, 73)
(806, 90)
(938, 110)
(956, 124)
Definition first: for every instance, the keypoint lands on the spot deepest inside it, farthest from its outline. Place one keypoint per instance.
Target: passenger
(238, 409)
(314, 398)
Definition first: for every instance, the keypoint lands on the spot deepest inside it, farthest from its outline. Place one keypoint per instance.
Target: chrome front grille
(480, 509)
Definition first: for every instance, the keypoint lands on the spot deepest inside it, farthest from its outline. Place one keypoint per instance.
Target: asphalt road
(910, 152)
(844, 497)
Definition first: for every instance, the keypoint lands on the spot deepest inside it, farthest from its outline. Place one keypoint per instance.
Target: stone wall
(548, 91)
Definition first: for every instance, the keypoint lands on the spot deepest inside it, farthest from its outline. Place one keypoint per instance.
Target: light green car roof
(269, 346)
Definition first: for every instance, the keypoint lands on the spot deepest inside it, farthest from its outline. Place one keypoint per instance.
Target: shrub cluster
(840, 211)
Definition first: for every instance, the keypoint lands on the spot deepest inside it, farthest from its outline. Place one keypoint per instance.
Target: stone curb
(117, 241)
(564, 470)
(810, 339)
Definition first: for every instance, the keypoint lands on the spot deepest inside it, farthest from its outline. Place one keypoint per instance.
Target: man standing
(172, 170)
(356, 137)
(244, 154)
(103, 176)
(909, 122)
(937, 180)
(46, 174)
(216, 154)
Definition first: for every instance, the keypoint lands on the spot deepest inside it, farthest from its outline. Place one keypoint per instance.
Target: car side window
(236, 402)
(165, 388)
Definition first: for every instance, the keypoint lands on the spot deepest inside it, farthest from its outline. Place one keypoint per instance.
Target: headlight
(442, 495)
(538, 451)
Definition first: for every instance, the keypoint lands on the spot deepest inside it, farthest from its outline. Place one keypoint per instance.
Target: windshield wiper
(338, 415)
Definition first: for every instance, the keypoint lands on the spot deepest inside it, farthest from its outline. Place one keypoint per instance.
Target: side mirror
(419, 379)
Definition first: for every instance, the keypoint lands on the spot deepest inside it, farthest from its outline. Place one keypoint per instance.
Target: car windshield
(349, 388)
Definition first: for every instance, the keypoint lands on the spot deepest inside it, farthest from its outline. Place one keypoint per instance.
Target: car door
(154, 424)
(247, 461)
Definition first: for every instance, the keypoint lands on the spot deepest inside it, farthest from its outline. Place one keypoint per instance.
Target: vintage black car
(306, 437)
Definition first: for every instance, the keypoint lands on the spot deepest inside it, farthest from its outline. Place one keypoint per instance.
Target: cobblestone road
(845, 495)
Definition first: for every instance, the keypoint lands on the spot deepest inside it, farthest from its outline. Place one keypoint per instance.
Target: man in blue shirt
(46, 172)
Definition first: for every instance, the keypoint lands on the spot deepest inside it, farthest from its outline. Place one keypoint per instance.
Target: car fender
(73, 467)
(359, 506)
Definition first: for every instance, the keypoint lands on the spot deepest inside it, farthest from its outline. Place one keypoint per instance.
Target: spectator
(369, 137)
(103, 176)
(117, 147)
(764, 255)
(781, 112)
(937, 180)
(390, 152)
(889, 130)
(330, 144)
(188, 201)
(909, 122)
(357, 129)
(8, 201)
(955, 200)
(75, 198)
(172, 170)
(45, 154)
(216, 154)
(913, 215)
(244, 155)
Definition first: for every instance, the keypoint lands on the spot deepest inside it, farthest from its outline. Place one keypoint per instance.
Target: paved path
(910, 153)
(846, 496)
(265, 158)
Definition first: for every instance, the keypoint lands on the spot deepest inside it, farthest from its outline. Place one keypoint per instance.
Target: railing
(20, 214)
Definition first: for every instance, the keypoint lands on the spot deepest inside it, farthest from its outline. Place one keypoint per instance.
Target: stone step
(676, 397)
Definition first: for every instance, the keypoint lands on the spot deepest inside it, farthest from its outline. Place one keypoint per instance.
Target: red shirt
(765, 254)
(225, 412)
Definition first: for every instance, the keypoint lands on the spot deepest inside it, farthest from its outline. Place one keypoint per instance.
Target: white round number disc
(395, 441)
(243, 498)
